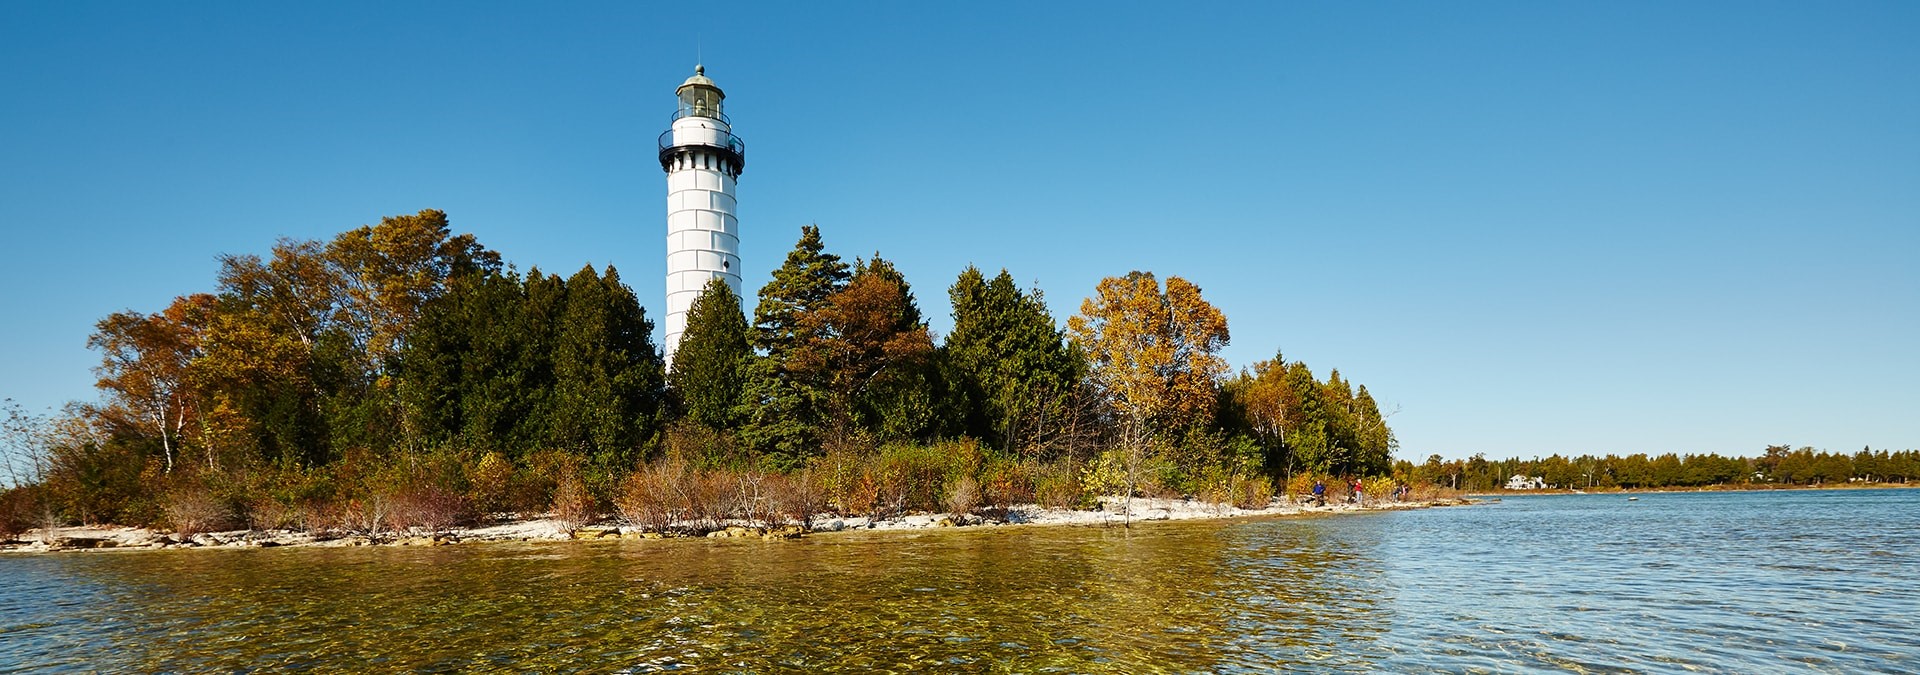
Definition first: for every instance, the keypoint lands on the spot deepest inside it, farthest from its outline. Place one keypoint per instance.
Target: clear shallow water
(1742, 583)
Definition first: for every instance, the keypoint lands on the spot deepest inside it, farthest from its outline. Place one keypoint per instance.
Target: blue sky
(1530, 227)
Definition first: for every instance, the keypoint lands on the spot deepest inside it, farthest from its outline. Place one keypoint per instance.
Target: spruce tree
(801, 285)
(781, 415)
(710, 366)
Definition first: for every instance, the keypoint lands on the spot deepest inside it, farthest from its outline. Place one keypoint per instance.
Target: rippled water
(1744, 583)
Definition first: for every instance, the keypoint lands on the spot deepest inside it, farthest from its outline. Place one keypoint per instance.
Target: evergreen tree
(1011, 359)
(801, 285)
(710, 366)
(781, 414)
(608, 377)
(869, 351)
(1375, 440)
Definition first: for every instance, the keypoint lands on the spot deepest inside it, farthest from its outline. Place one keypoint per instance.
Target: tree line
(399, 373)
(1777, 465)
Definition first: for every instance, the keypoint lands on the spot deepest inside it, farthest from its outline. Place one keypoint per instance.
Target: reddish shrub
(193, 510)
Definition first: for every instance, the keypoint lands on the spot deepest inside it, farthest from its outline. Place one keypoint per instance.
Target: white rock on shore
(1113, 511)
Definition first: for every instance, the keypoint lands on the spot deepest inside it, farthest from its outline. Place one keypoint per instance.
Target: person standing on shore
(1319, 493)
(1358, 498)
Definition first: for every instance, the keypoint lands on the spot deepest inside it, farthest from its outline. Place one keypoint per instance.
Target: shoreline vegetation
(400, 378)
(547, 528)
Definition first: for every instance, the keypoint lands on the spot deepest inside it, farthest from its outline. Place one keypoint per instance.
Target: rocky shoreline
(1113, 512)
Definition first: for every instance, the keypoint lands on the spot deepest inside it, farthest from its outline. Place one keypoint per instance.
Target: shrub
(20, 509)
(428, 507)
(1251, 492)
(1004, 483)
(963, 495)
(491, 482)
(573, 505)
(192, 510)
(651, 497)
(365, 514)
(799, 496)
(271, 514)
(1060, 487)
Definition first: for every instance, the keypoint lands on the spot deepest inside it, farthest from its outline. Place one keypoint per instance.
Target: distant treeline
(1778, 465)
(400, 375)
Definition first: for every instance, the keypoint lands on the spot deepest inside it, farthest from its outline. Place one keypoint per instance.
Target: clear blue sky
(1531, 227)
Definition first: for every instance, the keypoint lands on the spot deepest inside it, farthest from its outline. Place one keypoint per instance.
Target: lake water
(1714, 582)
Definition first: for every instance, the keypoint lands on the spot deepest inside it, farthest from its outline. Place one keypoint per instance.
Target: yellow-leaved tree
(1154, 356)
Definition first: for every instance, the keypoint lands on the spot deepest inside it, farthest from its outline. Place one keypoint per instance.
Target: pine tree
(710, 366)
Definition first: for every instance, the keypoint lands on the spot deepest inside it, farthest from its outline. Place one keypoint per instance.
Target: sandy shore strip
(1112, 513)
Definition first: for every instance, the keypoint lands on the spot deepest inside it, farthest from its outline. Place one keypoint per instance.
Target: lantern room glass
(698, 101)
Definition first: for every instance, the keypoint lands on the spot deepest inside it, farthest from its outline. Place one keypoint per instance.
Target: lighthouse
(703, 159)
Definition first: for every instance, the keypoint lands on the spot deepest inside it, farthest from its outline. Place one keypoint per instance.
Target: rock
(834, 525)
(75, 543)
(945, 522)
(718, 534)
(739, 531)
(1156, 514)
(916, 521)
(596, 533)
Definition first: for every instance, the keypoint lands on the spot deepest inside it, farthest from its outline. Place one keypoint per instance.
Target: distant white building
(1525, 482)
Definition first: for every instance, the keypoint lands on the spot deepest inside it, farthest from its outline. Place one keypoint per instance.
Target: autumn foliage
(399, 377)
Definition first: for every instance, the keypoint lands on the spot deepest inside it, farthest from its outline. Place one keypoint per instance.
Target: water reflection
(1172, 597)
(1715, 582)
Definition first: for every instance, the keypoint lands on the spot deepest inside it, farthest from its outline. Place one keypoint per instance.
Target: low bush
(1059, 486)
(192, 510)
(20, 510)
(1005, 483)
(573, 505)
(428, 507)
(963, 495)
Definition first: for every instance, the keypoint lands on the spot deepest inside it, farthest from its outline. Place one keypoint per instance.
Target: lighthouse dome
(699, 79)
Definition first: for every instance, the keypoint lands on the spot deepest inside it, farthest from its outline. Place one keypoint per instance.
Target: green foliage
(801, 285)
(1014, 371)
(608, 379)
(709, 367)
(783, 413)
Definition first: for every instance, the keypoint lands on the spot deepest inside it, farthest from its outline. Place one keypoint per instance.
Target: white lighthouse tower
(702, 159)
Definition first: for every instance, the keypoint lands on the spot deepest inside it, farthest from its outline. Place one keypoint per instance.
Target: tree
(1258, 403)
(384, 274)
(1153, 355)
(144, 365)
(801, 285)
(608, 378)
(781, 413)
(869, 351)
(710, 365)
(1013, 363)
(1375, 441)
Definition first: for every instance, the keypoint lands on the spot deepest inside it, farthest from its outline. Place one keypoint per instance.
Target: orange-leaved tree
(1154, 357)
